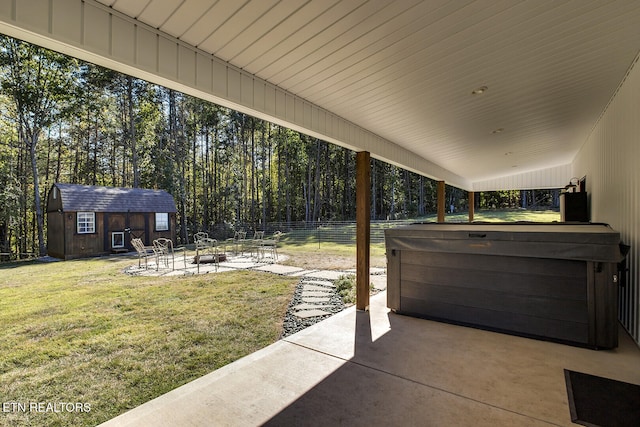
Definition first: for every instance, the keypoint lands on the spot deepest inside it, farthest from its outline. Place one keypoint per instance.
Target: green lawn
(334, 248)
(84, 332)
(511, 215)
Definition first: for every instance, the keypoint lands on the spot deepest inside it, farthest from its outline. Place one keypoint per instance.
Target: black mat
(602, 402)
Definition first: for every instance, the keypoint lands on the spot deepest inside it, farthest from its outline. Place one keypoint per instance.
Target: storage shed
(86, 220)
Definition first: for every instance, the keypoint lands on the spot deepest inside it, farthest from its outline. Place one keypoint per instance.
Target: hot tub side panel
(539, 297)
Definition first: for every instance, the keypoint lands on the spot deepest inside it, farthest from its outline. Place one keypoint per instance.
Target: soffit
(405, 69)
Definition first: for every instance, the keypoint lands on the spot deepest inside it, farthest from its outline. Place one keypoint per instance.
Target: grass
(84, 332)
(507, 215)
(335, 252)
(328, 255)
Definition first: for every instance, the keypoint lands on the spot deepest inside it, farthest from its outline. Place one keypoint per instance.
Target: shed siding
(55, 234)
(83, 245)
(609, 160)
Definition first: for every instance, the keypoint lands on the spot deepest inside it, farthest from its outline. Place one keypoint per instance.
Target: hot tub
(554, 281)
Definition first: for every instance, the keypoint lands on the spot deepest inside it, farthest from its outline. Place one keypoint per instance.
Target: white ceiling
(406, 69)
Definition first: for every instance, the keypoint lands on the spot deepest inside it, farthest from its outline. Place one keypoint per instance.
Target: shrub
(346, 287)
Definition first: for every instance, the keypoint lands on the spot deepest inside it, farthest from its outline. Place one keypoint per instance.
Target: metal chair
(163, 250)
(236, 242)
(200, 235)
(255, 243)
(271, 245)
(143, 251)
(205, 246)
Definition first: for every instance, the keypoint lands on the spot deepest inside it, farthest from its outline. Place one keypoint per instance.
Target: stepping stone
(240, 265)
(319, 282)
(307, 306)
(306, 293)
(326, 299)
(302, 273)
(326, 274)
(308, 287)
(305, 314)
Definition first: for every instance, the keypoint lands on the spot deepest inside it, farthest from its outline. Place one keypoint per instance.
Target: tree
(41, 85)
(9, 189)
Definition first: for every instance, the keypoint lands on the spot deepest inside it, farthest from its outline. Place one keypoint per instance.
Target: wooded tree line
(63, 120)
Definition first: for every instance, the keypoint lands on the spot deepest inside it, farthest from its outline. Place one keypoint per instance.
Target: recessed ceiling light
(497, 130)
(479, 91)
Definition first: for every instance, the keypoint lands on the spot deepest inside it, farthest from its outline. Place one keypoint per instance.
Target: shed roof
(76, 197)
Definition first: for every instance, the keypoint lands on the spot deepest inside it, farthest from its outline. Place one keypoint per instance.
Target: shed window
(86, 222)
(162, 221)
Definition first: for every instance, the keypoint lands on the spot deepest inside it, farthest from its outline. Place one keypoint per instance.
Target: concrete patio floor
(380, 368)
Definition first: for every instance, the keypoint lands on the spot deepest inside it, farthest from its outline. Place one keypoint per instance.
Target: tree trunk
(287, 183)
(58, 155)
(264, 175)
(374, 191)
(421, 210)
(252, 165)
(132, 134)
(194, 177)
(42, 250)
(316, 185)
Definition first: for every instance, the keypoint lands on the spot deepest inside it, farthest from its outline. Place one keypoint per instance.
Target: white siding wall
(610, 160)
(554, 177)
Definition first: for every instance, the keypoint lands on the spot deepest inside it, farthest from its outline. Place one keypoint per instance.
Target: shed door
(137, 225)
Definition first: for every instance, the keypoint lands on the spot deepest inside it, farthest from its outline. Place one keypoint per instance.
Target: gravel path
(325, 299)
(316, 298)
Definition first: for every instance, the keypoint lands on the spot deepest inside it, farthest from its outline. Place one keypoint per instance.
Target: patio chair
(142, 250)
(236, 242)
(206, 246)
(163, 250)
(271, 246)
(254, 244)
(199, 236)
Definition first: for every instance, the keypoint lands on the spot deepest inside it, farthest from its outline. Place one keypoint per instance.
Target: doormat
(602, 402)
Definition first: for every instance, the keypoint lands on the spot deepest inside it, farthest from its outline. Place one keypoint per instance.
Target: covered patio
(481, 95)
(379, 368)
